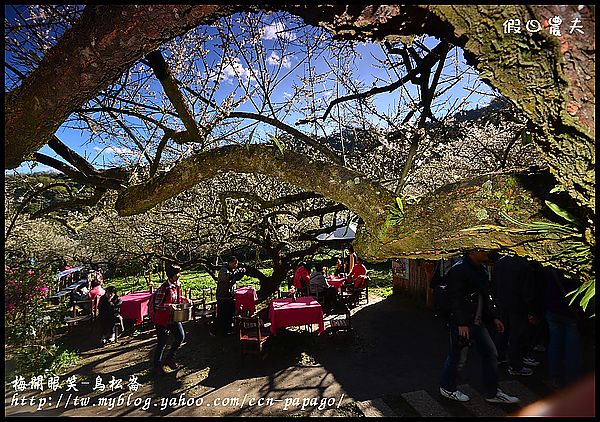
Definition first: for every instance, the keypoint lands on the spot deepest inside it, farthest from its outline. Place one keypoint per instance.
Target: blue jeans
(457, 357)
(564, 348)
(163, 336)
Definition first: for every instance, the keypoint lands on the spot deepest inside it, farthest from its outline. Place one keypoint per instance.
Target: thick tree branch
(335, 182)
(77, 176)
(72, 157)
(162, 72)
(441, 224)
(105, 42)
(72, 203)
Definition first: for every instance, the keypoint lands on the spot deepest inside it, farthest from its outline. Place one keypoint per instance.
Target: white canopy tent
(347, 232)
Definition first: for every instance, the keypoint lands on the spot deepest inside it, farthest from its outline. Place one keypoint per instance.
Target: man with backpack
(471, 307)
(162, 301)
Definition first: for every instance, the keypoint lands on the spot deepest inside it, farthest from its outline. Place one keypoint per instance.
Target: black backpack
(441, 302)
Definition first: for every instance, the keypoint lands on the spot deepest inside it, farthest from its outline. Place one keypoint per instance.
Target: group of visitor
(313, 281)
(108, 303)
(166, 298)
(504, 317)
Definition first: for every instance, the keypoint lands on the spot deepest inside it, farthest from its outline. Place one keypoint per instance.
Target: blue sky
(277, 29)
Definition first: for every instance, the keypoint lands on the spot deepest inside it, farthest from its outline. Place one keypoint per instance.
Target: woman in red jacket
(302, 276)
(359, 274)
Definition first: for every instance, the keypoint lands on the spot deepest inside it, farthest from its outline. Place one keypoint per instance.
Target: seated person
(108, 314)
(301, 276)
(339, 268)
(97, 289)
(320, 287)
(358, 275)
(81, 294)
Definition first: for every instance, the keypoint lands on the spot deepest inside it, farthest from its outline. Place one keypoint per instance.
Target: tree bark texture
(341, 184)
(551, 79)
(438, 226)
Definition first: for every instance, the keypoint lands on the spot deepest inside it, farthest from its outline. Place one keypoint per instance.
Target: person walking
(228, 276)
(472, 306)
(513, 278)
(166, 297)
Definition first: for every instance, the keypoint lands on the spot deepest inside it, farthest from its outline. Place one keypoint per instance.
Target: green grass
(195, 280)
(381, 279)
(380, 285)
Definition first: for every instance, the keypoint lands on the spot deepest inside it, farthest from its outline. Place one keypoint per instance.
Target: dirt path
(397, 348)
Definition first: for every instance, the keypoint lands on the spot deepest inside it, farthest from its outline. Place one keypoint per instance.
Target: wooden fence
(411, 277)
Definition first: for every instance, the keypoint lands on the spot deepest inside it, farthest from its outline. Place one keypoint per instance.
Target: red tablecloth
(285, 313)
(336, 281)
(135, 305)
(245, 298)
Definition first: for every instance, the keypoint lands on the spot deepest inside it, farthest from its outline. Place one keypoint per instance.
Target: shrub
(24, 292)
(30, 323)
(39, 360)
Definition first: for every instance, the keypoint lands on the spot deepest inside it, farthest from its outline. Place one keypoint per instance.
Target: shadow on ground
(397, 347)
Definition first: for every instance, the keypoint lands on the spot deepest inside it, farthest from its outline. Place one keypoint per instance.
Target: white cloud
(45, 168)
(276, 29)
(115, 150)
(234, 69)
(274, 60)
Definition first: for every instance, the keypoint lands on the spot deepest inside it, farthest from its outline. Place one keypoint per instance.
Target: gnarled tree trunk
(550, 79)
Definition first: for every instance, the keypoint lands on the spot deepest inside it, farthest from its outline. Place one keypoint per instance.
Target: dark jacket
(557, 286)
(465, 281)
(514, 285)
(108, 311)
(318, 283)
(226, 282)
